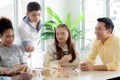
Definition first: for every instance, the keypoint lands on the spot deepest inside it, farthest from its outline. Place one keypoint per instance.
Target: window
(92, 9)
(115, 15)
(7, 9)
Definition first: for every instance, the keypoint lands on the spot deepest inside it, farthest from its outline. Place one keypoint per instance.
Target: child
(10, 54)
(63, 49)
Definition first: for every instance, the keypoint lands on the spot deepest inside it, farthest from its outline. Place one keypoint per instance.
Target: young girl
(63, 49)
(10, 54)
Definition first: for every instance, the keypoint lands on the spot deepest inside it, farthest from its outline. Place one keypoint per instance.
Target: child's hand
(22, 76)
(65, 58)
(29, 48)
(4, 71)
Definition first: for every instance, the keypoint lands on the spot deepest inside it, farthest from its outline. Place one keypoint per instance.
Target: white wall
(63, 7)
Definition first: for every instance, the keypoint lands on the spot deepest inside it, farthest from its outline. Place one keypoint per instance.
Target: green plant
(49, 26)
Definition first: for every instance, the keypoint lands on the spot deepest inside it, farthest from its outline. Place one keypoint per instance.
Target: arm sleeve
(25, 36)
(93, 53)
(21, 52)
(115, 64)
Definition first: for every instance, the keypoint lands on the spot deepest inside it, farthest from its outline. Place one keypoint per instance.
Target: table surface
(84, 75)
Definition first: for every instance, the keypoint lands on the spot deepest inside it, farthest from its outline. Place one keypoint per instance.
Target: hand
(20, 68)
(4, 71)
(65, 58)
(86, 66)
(22, 76)
(29, 48)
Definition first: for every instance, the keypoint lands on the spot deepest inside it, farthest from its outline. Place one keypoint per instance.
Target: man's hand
(86, 66)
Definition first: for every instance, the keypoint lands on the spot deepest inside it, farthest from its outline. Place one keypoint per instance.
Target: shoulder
(24, 26)
(74, 44)
(51, 47)
(116, 40)
(17, 47)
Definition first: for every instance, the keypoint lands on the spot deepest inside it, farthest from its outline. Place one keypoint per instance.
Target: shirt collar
(108, 40)
(27, 21)
(64, 48)
(5, 46)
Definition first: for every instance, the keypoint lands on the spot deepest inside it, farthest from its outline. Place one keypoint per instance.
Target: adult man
(107, 46)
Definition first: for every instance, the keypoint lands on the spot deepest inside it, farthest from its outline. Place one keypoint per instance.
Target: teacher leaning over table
(106, 45)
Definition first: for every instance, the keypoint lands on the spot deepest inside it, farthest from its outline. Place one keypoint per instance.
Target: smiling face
(101, 32)
(34, 16)
(7, 38)
(62, 35)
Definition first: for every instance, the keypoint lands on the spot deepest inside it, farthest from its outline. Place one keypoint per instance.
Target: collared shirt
(109, 52)
(53, 57)
(28, 33)
(9, 56)
(30, 36)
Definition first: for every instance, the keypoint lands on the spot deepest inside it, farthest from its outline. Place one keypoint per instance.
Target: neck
(62, 44)
(36, 25)
(103, 40)
(5, 45)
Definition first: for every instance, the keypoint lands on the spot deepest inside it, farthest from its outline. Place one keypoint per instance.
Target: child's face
(7, 38)
(34, 16)
(62, 35)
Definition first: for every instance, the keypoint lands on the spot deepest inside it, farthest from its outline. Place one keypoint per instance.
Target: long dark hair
(70, 45)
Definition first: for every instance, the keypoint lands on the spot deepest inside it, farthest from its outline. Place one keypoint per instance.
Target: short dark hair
(5, 24)
(33, 6)
(108, 22)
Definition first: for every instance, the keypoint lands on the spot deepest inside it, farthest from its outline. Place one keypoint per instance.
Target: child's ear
(27, 13)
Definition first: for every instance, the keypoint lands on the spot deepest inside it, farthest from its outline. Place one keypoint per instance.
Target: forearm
(76, 62)
(100, 68)
(22, 76)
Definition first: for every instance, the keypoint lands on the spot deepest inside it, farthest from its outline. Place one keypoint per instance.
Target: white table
(87, 75)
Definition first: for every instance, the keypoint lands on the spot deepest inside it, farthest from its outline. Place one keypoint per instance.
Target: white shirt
(30, 35)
